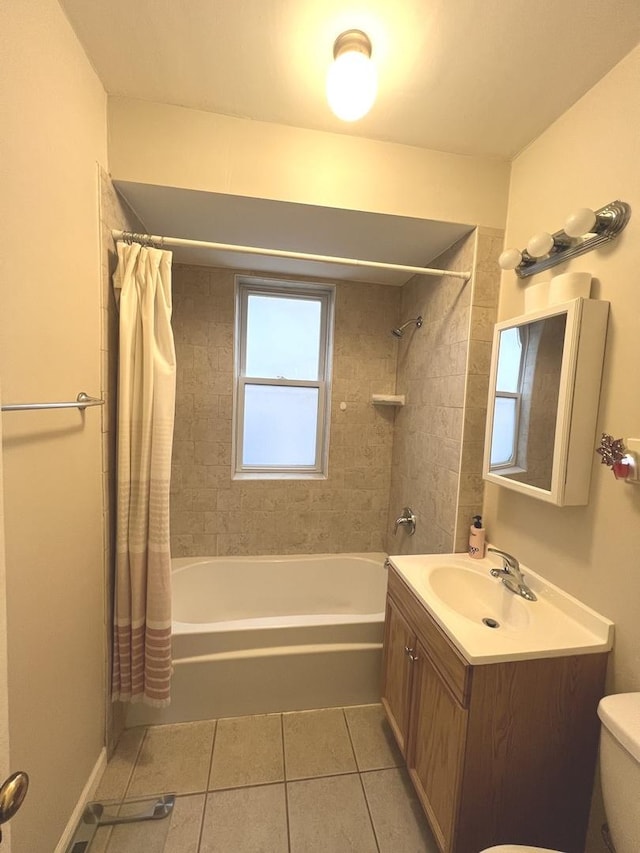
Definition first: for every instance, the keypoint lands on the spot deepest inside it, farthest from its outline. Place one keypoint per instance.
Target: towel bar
(82, 401)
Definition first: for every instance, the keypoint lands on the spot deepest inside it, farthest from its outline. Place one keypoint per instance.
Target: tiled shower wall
(443, 370)
(212, 514)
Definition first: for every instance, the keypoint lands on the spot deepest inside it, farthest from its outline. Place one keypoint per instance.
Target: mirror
(543, 400)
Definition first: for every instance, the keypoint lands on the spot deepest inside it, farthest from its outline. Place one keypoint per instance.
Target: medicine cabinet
(544, 389)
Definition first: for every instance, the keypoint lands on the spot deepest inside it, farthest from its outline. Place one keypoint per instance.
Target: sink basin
(488, 623)
(479, 597)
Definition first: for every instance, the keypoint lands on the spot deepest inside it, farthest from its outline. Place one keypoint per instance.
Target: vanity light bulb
(580, 222)
(510, 259)
(540, 244)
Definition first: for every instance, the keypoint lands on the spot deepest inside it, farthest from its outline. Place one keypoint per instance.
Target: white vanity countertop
(459, 592)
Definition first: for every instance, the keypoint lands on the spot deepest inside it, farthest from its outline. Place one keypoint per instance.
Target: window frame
(247, 286)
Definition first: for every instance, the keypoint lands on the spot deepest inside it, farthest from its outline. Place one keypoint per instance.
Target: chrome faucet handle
(407, 519)
(510, 562)
(511, 575)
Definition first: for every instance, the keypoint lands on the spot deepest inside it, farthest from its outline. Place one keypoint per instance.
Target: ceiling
(465, 76)
(473, 77)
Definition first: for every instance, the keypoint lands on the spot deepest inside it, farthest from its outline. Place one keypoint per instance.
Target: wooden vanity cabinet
(399, 646)
(498, 753)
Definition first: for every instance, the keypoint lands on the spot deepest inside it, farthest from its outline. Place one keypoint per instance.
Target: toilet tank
(620, 768)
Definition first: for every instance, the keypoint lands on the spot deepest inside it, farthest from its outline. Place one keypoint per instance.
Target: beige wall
(53, 131)
(5, 762)
(211, 514)
(178, 147)
(588, 157)
(443, 371)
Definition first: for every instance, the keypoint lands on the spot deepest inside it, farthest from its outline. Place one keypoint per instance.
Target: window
(506, 415)
(282, 391)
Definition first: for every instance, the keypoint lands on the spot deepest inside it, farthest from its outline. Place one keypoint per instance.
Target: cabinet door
(436, 748)
(399, 647)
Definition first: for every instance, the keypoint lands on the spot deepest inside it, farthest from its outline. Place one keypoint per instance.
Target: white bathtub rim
(180, 563)
(302, 621)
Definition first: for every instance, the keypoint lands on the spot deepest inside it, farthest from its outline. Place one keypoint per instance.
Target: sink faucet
(511, 575)
(407, 519)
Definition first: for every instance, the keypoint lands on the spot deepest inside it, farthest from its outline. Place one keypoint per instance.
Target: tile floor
(328, 781)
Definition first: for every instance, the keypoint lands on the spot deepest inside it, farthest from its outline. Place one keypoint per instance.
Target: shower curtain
(146, 403)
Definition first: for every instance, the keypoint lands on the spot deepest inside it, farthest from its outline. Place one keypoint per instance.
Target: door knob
(12, 793)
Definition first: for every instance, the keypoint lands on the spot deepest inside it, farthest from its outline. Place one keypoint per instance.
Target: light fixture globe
(510, 259)
(582, 221)
(351, 80)
(540, 244)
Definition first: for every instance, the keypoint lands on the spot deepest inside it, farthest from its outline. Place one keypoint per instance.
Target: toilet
(619, 771)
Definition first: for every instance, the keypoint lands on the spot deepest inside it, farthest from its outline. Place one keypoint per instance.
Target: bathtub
(255, 635)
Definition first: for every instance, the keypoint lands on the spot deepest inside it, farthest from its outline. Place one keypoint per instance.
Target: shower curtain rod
(162, 242)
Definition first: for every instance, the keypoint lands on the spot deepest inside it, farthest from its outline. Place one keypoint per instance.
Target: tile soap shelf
(387, 399)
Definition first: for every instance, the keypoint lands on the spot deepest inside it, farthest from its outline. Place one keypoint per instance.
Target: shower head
(399, 332)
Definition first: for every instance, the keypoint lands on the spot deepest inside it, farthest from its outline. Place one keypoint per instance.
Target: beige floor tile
(247, 751)
(316, 743)
(246, 820)
(178, 833)
(118, 771)
(329, 815)
(398, 819)
(373, 741)
(173, 759)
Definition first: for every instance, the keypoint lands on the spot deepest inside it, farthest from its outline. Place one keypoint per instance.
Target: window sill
(279, 475)
(505, 470)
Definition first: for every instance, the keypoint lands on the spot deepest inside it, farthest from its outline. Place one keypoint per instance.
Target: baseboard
(85, 797)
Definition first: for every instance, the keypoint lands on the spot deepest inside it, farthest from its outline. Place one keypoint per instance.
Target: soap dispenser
(476, 538)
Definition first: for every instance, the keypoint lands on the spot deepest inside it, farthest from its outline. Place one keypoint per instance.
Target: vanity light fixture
(351, 79)
(583, 231)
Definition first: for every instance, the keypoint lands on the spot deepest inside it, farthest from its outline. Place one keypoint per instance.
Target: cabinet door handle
(411, 653)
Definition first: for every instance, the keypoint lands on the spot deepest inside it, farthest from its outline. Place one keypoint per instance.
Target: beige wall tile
(206, 502)
(439, 436)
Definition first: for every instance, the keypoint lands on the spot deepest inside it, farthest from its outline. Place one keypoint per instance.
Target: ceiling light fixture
(351, 80)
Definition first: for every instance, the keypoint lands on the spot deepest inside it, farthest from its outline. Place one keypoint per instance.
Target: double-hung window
(282, 390)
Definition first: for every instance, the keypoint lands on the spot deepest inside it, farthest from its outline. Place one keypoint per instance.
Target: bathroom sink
(488, 623)
(479, 597)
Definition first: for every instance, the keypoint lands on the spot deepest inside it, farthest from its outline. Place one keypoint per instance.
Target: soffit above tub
(463, 76)
(219, 218)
